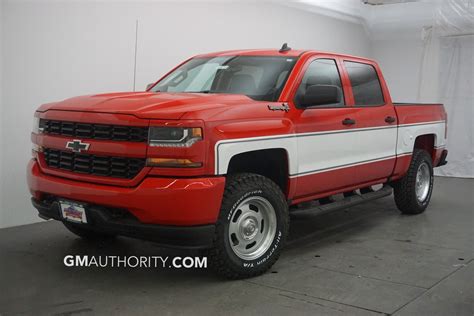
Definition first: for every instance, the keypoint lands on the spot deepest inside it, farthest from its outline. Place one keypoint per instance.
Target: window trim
(343, 64)
(303, 73)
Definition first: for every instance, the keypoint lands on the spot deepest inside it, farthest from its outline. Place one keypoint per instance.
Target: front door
(325, 133)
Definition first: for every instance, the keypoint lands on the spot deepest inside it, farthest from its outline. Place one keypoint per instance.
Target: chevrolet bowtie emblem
(77, 146)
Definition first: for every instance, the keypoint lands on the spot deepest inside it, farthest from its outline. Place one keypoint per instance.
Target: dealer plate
(73, 212)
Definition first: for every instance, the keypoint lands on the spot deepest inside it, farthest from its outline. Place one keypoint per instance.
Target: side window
(321, 85)
(365, 84)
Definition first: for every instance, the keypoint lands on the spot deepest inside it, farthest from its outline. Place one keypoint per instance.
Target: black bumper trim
(188, 237)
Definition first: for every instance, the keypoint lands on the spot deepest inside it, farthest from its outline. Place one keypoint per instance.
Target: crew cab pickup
(217, 153)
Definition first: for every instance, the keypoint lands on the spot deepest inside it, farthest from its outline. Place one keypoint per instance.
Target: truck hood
(166, 106)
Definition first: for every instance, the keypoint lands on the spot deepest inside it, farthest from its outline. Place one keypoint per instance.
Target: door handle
(390, 119)
(348, 121)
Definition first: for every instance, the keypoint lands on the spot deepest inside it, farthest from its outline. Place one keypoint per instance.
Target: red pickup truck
(217, 153)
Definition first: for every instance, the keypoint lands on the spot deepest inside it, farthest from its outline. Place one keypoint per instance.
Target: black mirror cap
(321, 94)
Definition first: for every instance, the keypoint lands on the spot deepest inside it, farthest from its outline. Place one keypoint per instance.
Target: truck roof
(255, 52)
(274, 52)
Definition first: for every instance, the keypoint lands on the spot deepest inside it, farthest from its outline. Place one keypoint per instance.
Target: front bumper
(102, 220)
(182, 202)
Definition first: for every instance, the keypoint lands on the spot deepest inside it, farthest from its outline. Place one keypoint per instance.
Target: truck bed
(412, 113)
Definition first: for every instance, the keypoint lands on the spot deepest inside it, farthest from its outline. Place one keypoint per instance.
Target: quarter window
(365, 84)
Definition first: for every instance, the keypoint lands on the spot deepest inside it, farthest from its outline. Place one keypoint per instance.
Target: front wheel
(252, 227)
(413, 191)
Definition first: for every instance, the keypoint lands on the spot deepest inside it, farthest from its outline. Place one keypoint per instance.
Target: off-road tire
(86, 233)
(222, 257)
(405, 188)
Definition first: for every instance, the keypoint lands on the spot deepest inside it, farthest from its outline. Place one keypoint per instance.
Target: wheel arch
(429, 136)
(272, 163)
(426, 142)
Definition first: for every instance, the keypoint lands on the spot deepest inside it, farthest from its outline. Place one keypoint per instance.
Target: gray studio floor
(365, 260)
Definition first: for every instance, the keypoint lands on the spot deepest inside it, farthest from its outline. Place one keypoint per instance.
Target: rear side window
(365, 84)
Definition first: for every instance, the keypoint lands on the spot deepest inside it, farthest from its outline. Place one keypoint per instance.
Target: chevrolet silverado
(218, 152)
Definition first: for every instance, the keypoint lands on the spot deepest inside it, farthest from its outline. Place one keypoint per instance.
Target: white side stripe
(332, 150)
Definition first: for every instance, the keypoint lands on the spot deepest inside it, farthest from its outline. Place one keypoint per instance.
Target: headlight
(174, 136)
(36, 123)
(36, 129)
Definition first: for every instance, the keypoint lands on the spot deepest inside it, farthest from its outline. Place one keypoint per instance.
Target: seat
(242, 84)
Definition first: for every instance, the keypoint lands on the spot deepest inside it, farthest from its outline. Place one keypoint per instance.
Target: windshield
(258, 77)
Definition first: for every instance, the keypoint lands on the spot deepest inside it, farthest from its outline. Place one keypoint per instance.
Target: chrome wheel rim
(252, 228)
(423, 180)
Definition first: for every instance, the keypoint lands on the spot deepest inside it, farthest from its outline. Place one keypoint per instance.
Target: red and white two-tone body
(175, 194)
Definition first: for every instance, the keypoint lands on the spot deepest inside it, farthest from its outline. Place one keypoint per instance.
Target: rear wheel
(413, 191)
(252, 227)
(86, 233)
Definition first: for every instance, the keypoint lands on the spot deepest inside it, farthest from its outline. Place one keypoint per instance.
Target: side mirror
(148, 86)
(321, 95)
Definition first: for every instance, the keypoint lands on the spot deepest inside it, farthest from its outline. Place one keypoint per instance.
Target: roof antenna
(284, 48)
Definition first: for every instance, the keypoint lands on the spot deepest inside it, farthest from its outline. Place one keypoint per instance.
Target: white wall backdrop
(456, 82)
(54, 50)
(434, 63)
(400, 62)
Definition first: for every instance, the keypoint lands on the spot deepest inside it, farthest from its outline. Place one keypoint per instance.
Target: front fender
(240, 137)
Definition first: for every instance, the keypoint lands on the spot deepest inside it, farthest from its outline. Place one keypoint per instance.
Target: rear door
(375, 120)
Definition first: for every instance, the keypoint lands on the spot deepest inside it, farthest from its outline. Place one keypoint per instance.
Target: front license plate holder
(73, 212)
